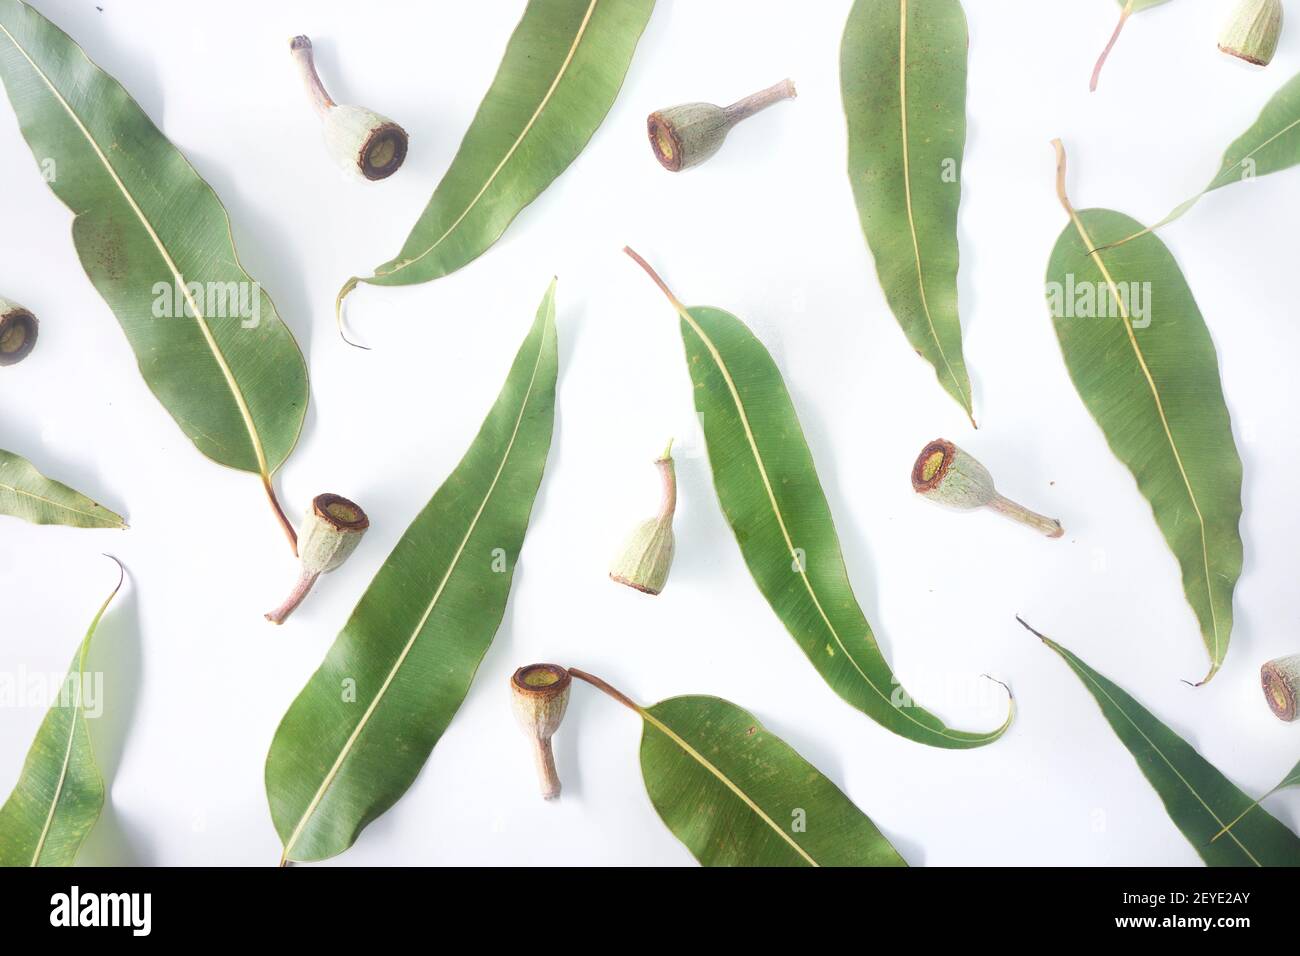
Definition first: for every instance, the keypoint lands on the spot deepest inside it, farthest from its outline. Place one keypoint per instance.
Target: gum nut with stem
(948, 475)
(18, 332)
(1252, 32)
(647, 557)
(360, 140)
(685, 136)
(333, 528)
(1281, 682)
(539, 696)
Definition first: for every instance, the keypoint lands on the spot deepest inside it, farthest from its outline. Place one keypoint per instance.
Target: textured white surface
(197, 681)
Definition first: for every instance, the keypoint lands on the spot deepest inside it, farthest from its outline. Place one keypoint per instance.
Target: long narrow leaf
(560, 74)
(155, 241)
(356, 737)
(26, 493)
(768, 487)
(1142, 360)
(60, 793)
(903, 78)
(1199, 799)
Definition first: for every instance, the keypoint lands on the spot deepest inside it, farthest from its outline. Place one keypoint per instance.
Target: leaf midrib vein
(72, 733)
(52, 503)
(907, 192)
(727, 781)
(1268, 142)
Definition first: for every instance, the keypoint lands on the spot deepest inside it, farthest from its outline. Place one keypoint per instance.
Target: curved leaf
(156, 243)
(1149, 375)
(355, 738)
(26, 493)
(738, 795)
(1199, 799)
(903, 78)
(1292, 779)
(769, 491)
(60, 792)
(560, 74)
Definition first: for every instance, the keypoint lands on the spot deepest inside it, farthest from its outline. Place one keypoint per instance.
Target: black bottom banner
(303, 904)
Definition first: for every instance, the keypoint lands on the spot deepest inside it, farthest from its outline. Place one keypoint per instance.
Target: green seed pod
(648, 555)
(360, 140)
(1281, 682)
(948, 475)
(687, 135)
(331, 532)
(539, 696)
(1253, 30)
(18, 332)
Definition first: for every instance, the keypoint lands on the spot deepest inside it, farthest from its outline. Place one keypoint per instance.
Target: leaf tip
(1037, 633)
(344, 292)
(1003, 684)
(121, 572)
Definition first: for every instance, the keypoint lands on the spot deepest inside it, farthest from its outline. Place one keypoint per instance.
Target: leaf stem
(1101, 60)
(1038, 634)
(279, 513)
(601, 685)
(655, 276)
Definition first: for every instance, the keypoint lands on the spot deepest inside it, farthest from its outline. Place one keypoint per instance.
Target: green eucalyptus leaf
(1148, 373)
(1271, 145)
(60, 793)
(1198, 798)
(560, 74)
(1292, 779)
(738, 795)
(903, 79)
(156, 242)
(770, 494)
(26, 493)
(356, 737)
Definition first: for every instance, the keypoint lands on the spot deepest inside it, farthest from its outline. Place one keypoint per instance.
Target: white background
(197, 681)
